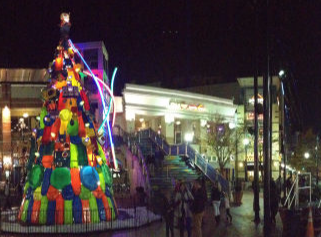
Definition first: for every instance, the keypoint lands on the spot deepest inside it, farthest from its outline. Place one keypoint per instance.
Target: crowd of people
(184, 207)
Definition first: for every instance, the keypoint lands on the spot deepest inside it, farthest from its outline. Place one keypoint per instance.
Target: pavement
(241, 226)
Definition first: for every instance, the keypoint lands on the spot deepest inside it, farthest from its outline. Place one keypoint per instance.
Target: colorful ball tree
(68, 177)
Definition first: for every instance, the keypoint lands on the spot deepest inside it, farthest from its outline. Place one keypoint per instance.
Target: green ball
(35, 176)
(107, 175)
(43, 113)
(72, 127)
(84, 193)
(60, 178)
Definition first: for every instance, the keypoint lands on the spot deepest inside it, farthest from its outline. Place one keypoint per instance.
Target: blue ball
(89, 177)
(67, 192)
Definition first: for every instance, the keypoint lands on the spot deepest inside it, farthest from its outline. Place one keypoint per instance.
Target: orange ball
(59, 63)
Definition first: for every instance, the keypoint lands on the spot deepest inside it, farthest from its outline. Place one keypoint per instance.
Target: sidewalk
(242, 224)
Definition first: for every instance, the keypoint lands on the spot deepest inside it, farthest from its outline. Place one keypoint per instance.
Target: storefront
(177, 115)
(246, 117)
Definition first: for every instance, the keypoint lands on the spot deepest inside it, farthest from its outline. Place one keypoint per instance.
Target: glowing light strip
(112, 146)
(107, 117)
(96, 79)
(109, 108)
(92, 74)
(111, 95)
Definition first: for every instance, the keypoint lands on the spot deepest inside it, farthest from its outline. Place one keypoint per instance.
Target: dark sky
(175, 41)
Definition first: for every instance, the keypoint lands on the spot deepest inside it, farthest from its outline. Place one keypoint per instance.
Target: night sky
(177, 41)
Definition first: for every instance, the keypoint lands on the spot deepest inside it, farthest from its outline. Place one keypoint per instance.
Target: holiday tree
(68, 177)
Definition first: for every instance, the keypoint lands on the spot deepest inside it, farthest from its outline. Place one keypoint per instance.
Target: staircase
(180, 161)
(194, 159)
(173, 168)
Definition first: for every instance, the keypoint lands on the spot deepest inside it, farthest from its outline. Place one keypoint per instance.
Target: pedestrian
(168, 213)
(198, 208)
(19, 191)
(227, 207)
(7, 195)
(216, 201)
(274, 200)
(183, 199)
(203, 187)
(289, 183)
(279, 185)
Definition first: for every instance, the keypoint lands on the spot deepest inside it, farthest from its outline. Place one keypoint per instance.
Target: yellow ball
(70, 52)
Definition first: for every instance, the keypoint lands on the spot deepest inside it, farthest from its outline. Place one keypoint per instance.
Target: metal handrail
(180, 149)
(296, 189)
(292, 188)
(188, 151)
(126, 137)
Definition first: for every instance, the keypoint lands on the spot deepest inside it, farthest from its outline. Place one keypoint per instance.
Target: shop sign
(185, 106)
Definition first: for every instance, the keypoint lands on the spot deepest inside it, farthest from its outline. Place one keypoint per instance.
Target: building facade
(177, 115)
(245, 118)
(242, 93)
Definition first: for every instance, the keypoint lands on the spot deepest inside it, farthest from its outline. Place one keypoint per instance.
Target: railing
(295, 189)
(82, 221)
(185, 150)
(145, 170)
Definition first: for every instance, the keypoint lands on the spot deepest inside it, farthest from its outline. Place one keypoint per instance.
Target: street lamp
(231, 125)
(246, 141)
(281, 73)
(189, 137)
(306, 155)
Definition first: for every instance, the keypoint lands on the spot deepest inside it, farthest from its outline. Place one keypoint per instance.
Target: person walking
(227, 207)
(168, 213)
(182, 200)
(216, 201)
(198, 208)
(289, 182)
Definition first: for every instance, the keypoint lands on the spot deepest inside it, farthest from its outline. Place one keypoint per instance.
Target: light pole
(317, 158)
(306, 155)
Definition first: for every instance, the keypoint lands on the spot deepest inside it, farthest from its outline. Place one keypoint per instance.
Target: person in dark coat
(198, 207)
(274, 200)
(183, 199)
(288, 183)
(216, 201)
(7, 204)
(168, 213)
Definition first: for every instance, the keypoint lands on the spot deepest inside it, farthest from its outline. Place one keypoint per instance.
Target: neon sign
(184, 106)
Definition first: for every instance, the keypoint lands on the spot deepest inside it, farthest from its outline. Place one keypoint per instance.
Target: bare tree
(306, 144)
(224, 140)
